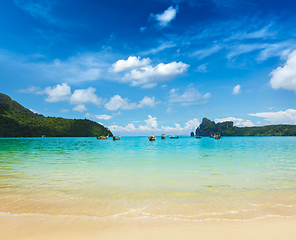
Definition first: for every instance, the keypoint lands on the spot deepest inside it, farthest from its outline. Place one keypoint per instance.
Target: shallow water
(234, 178)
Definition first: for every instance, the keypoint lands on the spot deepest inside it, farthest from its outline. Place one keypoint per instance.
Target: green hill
(208, 128)
(18, 121)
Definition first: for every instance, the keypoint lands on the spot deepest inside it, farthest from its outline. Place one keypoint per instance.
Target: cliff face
(208, 127)
(18, 121)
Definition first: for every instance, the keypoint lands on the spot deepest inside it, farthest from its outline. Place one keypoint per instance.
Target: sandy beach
(40, 227)
(78, 188)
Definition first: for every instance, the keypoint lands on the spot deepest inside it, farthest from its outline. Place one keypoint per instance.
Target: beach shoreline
(44, 227)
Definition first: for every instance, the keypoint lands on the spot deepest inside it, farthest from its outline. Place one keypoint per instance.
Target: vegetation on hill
(208, 128)
(17, 121)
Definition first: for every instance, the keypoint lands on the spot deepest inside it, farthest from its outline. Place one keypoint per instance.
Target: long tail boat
(102, 137)
(217, 136)
(174, 137)
(152, 138)
(116, 138)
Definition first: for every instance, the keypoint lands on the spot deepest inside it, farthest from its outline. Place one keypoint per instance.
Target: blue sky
(157, 66)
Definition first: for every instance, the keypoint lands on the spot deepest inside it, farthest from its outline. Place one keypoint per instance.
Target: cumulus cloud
(151, 122)
(129, 128)
(239, 122)
(129, 64)
(192, 124)
(80, 108)
(147, 102)
(116, 102)
(236, 90)
(82, 96)
(281, 117)
(103, 117)
(285, 76)
(189, 97)
(58, 93)
(149, 76)
(152, 127)
(166, 17)
(189, 126)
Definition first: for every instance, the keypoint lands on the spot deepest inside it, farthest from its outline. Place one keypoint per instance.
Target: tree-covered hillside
(17, 121)
(208, 128)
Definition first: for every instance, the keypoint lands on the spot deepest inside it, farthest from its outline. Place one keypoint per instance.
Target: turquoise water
(234, 178)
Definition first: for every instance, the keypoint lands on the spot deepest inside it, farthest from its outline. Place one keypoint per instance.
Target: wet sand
(41, 227)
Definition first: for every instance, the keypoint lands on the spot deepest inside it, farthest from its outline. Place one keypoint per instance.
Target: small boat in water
(217, 136)
(102, 137)
(152, 138)
(174, 137)
(197, 136)
(163, 136)
(116, 138)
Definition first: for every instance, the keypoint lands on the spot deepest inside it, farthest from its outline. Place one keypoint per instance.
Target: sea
(186, 179)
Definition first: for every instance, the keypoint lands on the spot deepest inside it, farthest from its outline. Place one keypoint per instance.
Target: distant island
(18, 121)
(208, 128)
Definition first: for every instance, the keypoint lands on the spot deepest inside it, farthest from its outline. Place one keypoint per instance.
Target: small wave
(154, 216)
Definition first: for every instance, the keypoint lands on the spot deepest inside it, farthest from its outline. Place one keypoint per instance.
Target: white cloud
(169, 110)
(285, 76)
(202, 68)
(236, 90)
(129, 64)
(151, 122)
(58, 93)
(103, 117)
(239, 122)
(116, 102)
(82, 96)
(206, 52)
(75, 69)
(244, 48)
(166, 17)
(64, 110)
(190, 97)
(281, 117)
(152, 127)
(142, 29)
(147, 102)
(150, 76)
(34, 8)
(129, 128)
(281, 49)
(80, 108)
(162, 47)
(31, 89)
(192, 124)
(262, 33)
